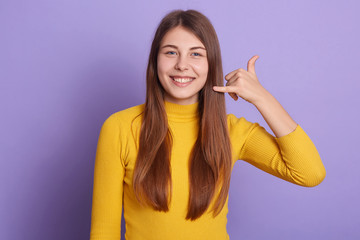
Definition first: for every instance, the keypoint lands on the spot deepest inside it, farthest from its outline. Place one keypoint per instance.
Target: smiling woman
(168, 162)
(172, 62)
(182, 66)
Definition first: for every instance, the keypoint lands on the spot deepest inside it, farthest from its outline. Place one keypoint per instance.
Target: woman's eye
(197, 54)
(171, 52)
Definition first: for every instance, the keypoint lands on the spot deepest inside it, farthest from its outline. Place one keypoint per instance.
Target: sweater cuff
(289, 135)
(297, 145)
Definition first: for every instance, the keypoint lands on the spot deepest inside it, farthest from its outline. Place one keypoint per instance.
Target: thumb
(251, 64)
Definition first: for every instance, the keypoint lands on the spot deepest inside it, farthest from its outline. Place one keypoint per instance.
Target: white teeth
(182, 80)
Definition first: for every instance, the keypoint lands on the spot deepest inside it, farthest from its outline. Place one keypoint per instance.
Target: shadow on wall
(64, 189)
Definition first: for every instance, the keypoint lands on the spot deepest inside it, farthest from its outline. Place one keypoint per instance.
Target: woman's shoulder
(240, 125)
(130, 112)
(126, 116)
(233, 120)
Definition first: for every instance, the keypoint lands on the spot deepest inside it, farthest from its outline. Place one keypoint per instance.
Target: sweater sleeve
(292, 157)
(108, 184)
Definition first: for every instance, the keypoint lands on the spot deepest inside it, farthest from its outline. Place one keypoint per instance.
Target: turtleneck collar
(181, 113)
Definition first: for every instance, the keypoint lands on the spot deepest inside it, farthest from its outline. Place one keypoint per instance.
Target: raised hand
(243, 83)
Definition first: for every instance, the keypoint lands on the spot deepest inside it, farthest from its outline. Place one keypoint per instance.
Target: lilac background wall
(65, 66)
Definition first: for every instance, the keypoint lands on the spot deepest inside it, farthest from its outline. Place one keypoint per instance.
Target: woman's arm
(246, 85)
(275, 115)
(108, 184)
(292, 155)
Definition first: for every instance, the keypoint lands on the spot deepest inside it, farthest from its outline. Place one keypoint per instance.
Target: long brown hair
(210, 160)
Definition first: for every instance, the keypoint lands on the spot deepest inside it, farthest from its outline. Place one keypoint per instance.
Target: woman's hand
(244, 84)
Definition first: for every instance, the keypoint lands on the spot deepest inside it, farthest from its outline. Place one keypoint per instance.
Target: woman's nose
(181, 63)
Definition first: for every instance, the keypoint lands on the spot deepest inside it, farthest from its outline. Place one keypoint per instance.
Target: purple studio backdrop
(65, 66)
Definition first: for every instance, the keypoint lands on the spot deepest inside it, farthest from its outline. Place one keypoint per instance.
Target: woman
(169, 161)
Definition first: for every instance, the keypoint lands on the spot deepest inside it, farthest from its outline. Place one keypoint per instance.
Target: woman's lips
(182, 81)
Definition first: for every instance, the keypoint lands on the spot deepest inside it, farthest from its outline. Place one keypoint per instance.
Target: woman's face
(182, 66)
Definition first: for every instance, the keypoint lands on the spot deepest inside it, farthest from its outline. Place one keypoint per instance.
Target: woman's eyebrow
(173, 46)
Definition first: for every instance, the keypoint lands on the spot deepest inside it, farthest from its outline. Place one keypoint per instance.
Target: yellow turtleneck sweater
(292, 157)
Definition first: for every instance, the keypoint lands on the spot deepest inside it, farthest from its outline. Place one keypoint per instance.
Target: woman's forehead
(181, 37)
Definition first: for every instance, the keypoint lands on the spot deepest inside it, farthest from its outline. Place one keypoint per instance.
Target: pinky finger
(224, 89)
(227, 89)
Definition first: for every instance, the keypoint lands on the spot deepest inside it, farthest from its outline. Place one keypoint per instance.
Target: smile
(182, 80)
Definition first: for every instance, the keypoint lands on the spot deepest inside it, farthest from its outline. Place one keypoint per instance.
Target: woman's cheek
(201, 67)
(164, 64)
